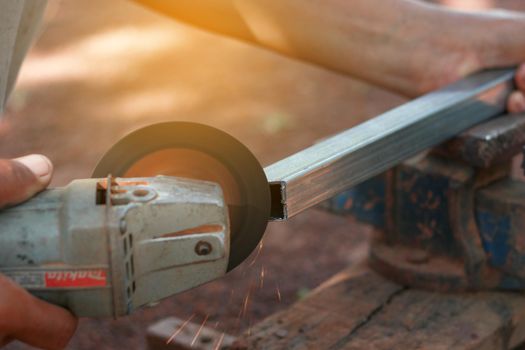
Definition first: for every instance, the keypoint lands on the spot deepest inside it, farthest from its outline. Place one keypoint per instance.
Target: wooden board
(359, 309)
(175, 334)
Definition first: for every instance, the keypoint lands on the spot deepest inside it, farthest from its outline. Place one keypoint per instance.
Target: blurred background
(101, 69)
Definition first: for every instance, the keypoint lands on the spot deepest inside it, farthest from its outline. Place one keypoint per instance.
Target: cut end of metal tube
(278, 211)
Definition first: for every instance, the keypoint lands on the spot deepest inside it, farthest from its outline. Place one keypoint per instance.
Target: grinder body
(105, 247)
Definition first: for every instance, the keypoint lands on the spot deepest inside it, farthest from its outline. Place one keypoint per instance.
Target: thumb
(22, 178)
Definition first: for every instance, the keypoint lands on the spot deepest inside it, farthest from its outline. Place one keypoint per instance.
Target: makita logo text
(81, 278)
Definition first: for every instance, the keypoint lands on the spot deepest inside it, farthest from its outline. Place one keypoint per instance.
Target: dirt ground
(103, 68)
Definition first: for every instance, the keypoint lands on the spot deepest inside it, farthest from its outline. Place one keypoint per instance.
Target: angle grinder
(170, 206)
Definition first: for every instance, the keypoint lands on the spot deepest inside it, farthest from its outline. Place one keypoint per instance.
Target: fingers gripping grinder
(109, 245)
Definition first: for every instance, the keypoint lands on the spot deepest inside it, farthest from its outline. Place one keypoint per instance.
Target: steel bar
(319, 172)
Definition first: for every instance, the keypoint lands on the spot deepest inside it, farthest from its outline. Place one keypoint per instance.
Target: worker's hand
(516, 103)
(23, 316)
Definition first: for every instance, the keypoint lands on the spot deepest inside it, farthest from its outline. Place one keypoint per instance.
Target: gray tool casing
(105, 250)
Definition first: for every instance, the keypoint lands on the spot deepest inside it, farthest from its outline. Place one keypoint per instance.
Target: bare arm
(220, 16)
(406, 46)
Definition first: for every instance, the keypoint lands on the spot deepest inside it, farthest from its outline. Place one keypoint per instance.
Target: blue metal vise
(452, 219)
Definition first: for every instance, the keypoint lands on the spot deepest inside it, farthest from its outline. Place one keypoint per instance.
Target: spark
(219, 343)
(245, 304)
(261, 244)
(250, 327)
(261, 280)
(239, 316)
(199, 331)
(181, 327)
(278, 293)
(242, 310)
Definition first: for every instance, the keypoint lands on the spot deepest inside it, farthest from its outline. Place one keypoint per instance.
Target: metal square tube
(327, 168)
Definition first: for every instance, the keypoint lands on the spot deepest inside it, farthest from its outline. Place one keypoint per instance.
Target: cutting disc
(199, 152)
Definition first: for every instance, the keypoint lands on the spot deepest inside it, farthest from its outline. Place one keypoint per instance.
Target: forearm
(220, 16)
(386, 42)
(370, 39)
